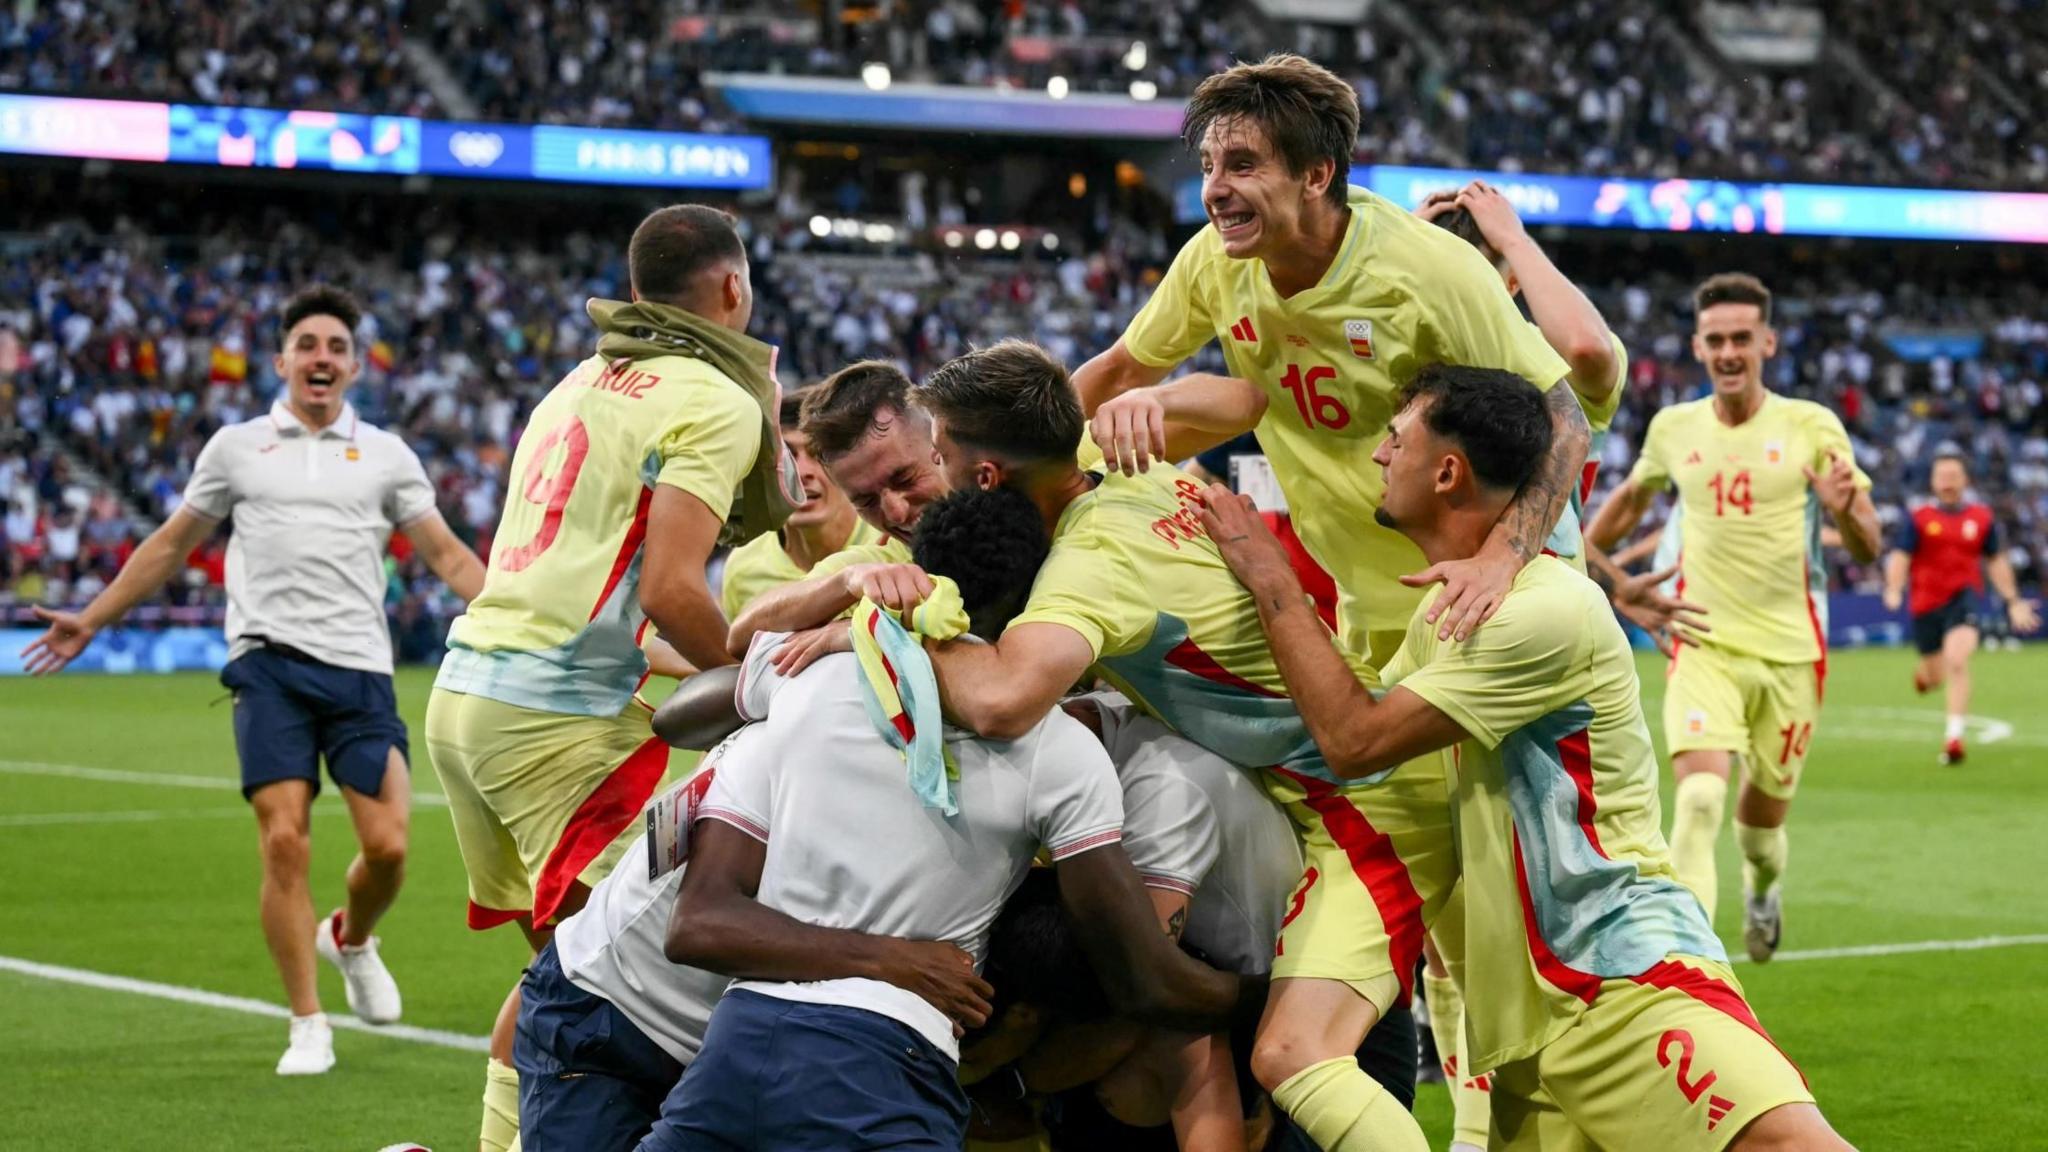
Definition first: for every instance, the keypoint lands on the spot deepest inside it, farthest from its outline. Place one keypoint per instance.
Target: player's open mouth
(319, 380)
(1234, 223)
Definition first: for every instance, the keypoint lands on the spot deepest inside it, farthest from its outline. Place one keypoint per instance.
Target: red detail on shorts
(596, 823)
(1378, 866)
(1576, 752)
(1820, 635)
(636, 535)
(1584, 985)
(482, 918)
(1713, 993)
(904, 727)
(1189, 658)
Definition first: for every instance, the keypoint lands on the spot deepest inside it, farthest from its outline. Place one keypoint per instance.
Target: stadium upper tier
(1842, 91)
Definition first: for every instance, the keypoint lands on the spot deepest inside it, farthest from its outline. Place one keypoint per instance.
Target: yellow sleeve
(1471, 319)
(1830, 436)
(1652, 469)
(1175, 323)
(1601, 416)
(735, 586)
(1093, 590)
(885, 552)
(711, 445)
(1516, 669)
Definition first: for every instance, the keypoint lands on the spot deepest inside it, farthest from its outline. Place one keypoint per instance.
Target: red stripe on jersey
(1576, 753)
(1583, 985)
(1672, 975)
(1188, 657)
(482, 919)
(597, 822)
(1377, 865)
(1820, 635)
(636, 534)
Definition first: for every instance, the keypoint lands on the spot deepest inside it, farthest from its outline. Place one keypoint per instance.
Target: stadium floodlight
(1012, 241)
(1135, 58)
(875, 75)
(1056, 87)
(1144, 90)
(1051, 242)
(955, 239)
(820, 227)
(878, 233)
(985, 239)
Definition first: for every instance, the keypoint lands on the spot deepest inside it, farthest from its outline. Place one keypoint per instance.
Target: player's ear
(1450, 471)
(1770, 342)
(1320, 174)
(1699, 349)
(988, 474)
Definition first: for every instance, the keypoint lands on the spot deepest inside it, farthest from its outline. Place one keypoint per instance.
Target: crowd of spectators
(121, 351)
(1950, 93)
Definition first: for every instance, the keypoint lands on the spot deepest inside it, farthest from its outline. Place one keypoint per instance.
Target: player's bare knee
(385, 851)
(1282, 1051)
(287, 849)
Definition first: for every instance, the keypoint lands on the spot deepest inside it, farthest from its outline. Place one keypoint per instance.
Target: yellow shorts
(1378, 865)
(1718, 701)
(541, 800)
(1673, 1060)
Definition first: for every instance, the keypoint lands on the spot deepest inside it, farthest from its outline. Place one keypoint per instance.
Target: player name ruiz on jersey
(622, 378)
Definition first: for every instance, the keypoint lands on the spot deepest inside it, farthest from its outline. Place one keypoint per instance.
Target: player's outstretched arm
(1358, 735)
(446, 555)
(154, 561)
(681, 532)
(701, 712)
(816, 601)
(1111, 374)
(1001, 691)
(1569, 322)
(1141, 967)
(1474, 587)
(718, 926)
(1176, 420)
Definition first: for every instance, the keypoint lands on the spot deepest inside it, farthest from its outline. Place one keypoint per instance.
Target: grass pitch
(125, 850)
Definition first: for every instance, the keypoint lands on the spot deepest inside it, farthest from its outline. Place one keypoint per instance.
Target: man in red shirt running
(1945, 549)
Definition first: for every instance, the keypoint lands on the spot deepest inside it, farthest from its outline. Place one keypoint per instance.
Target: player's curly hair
(990, 542)
(1495, 417)
(1012, 398)
(1306, 110)
(322, 300)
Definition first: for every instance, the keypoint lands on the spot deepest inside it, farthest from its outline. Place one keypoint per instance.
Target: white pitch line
(63, 819)
(1858, 950)
(243, 1004)
(164, 779)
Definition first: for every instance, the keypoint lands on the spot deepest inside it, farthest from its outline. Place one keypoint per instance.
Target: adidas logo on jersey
(1243, 331)
(1718, 1108)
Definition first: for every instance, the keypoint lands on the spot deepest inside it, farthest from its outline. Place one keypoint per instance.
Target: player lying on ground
(1598, 996)
(314, 494)
(1758, 475)
(1945, 551)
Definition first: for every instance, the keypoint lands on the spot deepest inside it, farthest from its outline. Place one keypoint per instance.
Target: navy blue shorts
(785, 1075)
(291, 710)
(589, 1079)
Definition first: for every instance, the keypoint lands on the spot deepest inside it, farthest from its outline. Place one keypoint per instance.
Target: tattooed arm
(1474, 588)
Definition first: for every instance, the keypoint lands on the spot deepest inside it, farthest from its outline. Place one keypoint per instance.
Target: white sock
(1955, 727)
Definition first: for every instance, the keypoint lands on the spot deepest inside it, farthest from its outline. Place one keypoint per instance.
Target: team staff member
(1947, 549)
(1598, 995)
(1758, 475)
(314, 494)
(622, 484)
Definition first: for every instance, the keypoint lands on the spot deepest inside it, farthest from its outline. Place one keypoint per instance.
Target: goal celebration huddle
(1054, 795)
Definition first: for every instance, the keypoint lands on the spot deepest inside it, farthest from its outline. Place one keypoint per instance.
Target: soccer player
(840, 840)
(314, 494)
(622, 484)
(1758, 474)
(824, 525)
(1948, 547)
(1599, 997)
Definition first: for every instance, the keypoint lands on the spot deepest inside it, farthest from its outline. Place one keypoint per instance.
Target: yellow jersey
(1749, 543)
(1400, 294)
(760, 565)
(1568, 880)
(1132, 571)
(558, 624)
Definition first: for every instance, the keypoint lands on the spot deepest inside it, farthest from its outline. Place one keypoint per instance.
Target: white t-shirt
(850, 846)
(614, 948)
(1196, 823)
(313, 512)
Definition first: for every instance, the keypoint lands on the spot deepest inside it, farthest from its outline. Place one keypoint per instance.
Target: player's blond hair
(1308, 113)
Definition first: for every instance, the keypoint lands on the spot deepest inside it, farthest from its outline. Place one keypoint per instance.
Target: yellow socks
(500, 1131)
(1344, 1110)
(1695, 823)
(1471, 1101)
(1763, 857)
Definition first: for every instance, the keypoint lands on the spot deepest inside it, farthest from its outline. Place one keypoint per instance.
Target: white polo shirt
(312, 512)
(850, 846)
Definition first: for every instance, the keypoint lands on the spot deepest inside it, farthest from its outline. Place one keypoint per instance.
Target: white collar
(288, 423)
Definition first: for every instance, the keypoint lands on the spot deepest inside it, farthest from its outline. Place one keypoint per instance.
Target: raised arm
(1176, 420)
(154, 561)
(446, 555)
(1112, 374)
(718, 926)
(1569, 322)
